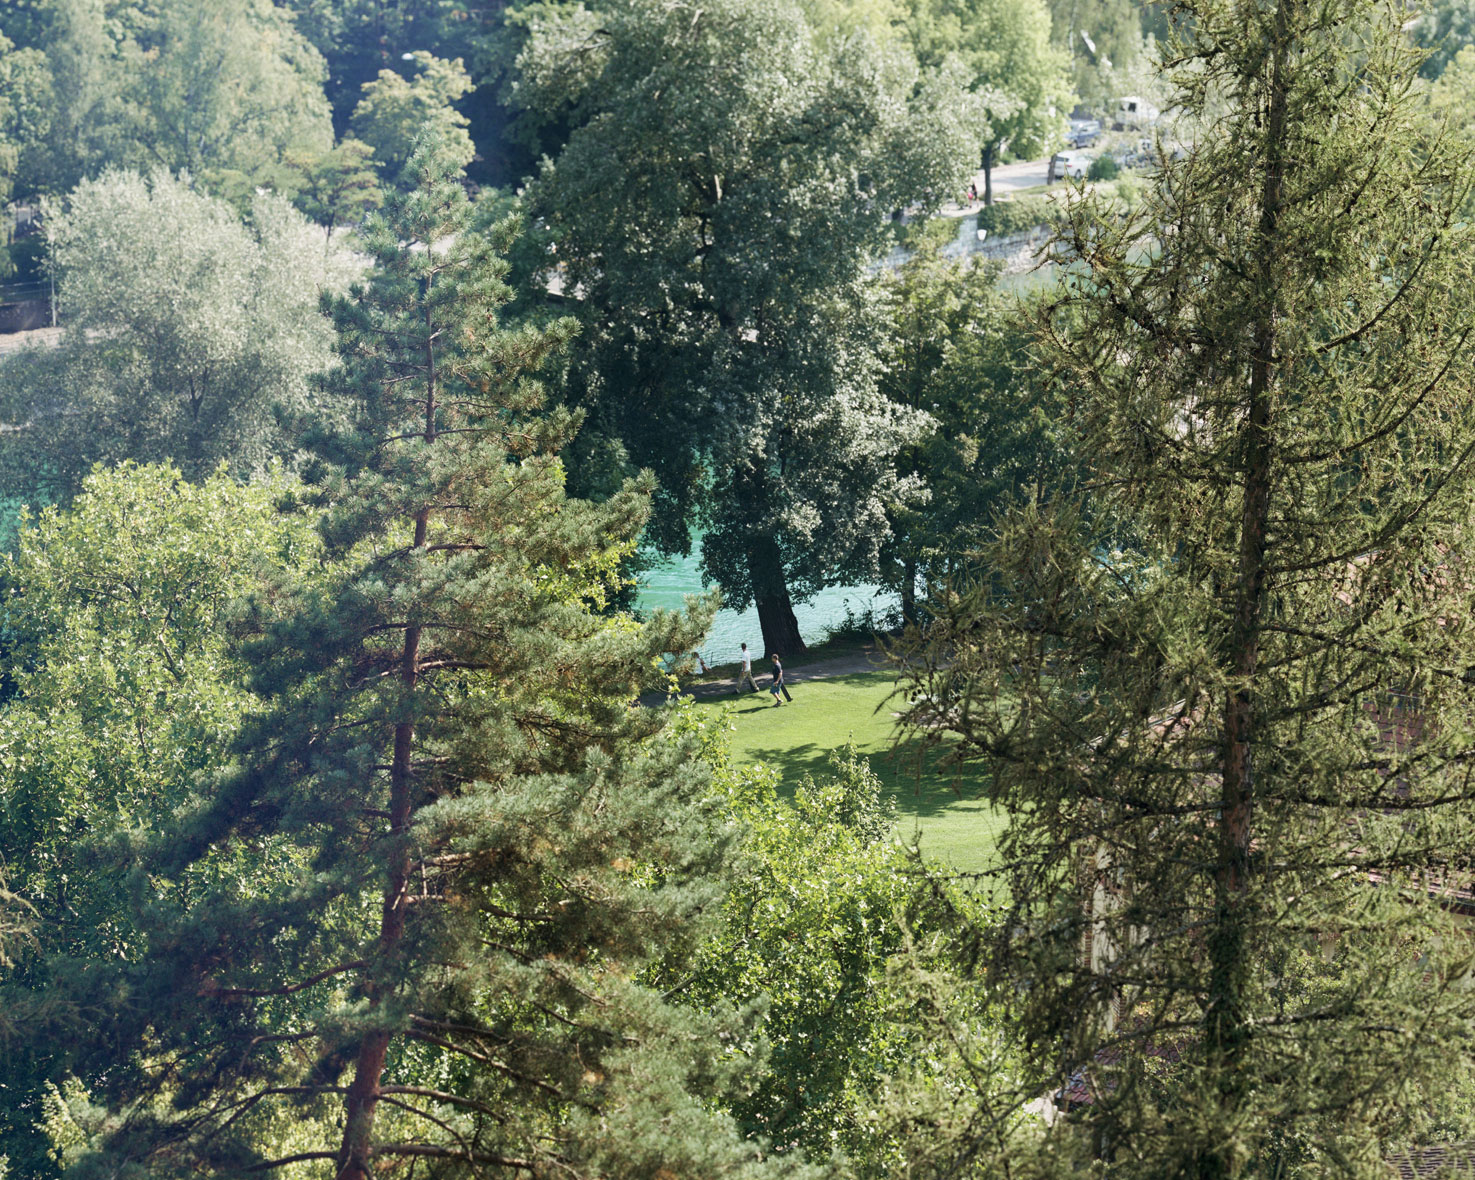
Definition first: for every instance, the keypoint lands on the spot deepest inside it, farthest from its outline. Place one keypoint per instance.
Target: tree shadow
(909, 774)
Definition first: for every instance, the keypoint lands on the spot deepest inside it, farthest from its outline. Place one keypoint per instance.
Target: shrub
(1103, 167)
(1017, 216)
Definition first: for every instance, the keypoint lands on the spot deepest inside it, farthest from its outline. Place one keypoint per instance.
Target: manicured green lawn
(954, 826)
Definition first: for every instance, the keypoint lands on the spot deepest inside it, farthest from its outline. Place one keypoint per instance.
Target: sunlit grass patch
(953, 824)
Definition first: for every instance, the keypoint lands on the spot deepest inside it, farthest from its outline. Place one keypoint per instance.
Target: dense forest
(357, 818)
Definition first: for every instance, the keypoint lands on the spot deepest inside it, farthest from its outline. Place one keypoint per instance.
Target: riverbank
(842, 655)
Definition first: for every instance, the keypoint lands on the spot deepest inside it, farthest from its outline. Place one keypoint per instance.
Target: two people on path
(745, 677)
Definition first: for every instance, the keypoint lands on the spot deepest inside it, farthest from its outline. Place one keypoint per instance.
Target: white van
(1134, 112)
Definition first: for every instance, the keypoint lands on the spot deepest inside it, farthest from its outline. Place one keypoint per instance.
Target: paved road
(1008, 180)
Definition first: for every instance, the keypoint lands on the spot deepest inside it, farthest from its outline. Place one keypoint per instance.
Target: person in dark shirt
(778, 685)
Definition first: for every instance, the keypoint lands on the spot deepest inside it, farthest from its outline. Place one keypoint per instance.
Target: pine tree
(1230, 712)
(490, 841)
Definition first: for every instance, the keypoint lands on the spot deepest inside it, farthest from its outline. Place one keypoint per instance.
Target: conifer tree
(1230, 713)
(489, 840)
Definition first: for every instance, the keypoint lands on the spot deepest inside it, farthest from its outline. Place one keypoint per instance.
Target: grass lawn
(954, 825)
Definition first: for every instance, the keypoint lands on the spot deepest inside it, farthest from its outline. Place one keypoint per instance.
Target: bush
(1103, 167)
(1017, 216)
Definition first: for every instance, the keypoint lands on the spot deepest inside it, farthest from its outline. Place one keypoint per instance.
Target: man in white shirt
(747, 673)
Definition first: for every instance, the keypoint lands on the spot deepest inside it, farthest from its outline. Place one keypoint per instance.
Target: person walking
(778, 685)
(747, 674)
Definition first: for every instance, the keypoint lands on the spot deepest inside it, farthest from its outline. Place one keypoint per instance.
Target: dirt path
(866, 660)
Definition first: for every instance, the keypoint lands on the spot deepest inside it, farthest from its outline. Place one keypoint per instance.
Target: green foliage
(1020, 215)
(448, 962)
(82, 91)
(337, 186)
(1016, 77)
(1443, 29)
(224, 86)
(959, 350)
(395, 113)
(1228, 711)
(24, 86)
(186, 332)
(810, 926)
(821, 930)
(122, 689)
(361, 38)
(222, 89)
(17, 921)
(716, 207)
(1103, 167)
(1118, 30)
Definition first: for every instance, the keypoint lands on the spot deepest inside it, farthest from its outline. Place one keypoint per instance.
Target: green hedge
(1012, 217)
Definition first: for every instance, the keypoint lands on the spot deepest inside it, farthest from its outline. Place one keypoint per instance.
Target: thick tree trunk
(1227, 1030)
(987, 163)
(771, 594)
(780, 628)
(908, 591)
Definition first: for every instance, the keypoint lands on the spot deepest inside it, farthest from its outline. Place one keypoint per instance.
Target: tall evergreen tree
(1231, 714)
(485, 840)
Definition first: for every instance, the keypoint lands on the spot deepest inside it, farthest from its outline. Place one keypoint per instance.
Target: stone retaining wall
(1018, 252)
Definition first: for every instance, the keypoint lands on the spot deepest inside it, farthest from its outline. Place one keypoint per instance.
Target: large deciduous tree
(224, 86)
(122, 687)
(493, 842)
(186, 332)
(396, 112)
(1229, 712)
(24, 94)
(711, 219)
(1017, 77)
(957, 347)
(223, 89)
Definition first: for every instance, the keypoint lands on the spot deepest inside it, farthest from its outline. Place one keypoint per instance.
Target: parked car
(1071, 164)
(1083, 132)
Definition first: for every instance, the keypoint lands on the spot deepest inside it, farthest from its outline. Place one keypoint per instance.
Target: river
(667, 584)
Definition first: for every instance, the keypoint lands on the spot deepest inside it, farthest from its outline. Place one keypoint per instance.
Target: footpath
(868, 659)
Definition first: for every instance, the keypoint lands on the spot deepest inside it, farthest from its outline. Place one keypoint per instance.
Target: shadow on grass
(914, 780)
(800, 740)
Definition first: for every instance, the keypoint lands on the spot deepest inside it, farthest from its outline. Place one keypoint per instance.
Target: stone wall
(1018, 252)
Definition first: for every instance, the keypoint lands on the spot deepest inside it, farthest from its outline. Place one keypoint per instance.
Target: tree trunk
(771, 594)
(780, 628)
(355, 1154)
(987, 162)
(908, 590)
(1227, 1032)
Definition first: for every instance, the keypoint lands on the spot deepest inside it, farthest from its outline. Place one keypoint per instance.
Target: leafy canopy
(181, 344)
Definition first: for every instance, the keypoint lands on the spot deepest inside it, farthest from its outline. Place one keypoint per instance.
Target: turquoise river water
(668, 583)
